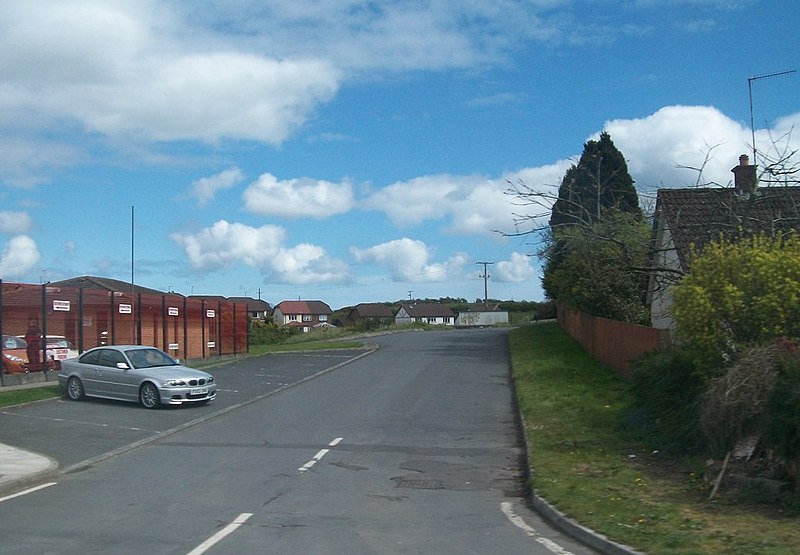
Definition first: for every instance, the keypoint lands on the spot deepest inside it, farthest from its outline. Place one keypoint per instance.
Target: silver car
(134, 373)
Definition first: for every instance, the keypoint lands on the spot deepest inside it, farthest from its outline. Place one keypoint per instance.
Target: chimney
(744, 176)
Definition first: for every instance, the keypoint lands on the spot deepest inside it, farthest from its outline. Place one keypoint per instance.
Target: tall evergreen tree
(598, 182)
(597, 235)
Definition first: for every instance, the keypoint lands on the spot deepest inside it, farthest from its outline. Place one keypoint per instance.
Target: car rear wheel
(149, 396)
(75, 389)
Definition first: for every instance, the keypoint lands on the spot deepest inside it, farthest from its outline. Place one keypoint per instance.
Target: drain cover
(418, 484)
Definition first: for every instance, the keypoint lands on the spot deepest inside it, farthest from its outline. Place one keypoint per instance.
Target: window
(110, 358)
(306, 317)
(323, 317)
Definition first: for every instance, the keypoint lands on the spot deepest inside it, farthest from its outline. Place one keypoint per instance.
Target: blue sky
(353, 151)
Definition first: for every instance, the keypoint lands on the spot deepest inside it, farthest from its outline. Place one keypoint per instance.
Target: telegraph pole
(485, 277)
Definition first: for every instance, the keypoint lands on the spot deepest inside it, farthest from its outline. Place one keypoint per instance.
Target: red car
(15, 355)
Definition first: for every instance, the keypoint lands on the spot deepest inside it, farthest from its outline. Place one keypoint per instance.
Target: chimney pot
(744, 160)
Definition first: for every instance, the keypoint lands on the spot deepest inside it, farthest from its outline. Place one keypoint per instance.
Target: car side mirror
(123, 366)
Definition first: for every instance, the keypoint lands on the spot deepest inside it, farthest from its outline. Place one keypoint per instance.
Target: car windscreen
(149, 358)
(58, 343)
(10, 342)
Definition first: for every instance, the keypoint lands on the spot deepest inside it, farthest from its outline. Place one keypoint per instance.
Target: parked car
(134, 373)
(15, 355)
(59, 348)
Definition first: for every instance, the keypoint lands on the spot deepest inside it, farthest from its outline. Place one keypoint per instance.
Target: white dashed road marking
(318, 457)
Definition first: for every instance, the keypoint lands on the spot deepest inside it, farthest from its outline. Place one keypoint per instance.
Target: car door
(116, 381)
(91, 373)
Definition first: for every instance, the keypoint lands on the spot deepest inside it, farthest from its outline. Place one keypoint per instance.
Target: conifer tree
(599, 181)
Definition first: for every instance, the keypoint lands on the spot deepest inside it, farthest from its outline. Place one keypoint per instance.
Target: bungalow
(302, 314)
(686, 217)
(370, 315)
(426, 313)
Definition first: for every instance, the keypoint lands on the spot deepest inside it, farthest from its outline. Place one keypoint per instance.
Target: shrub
(667, 392)
(268, 333)
(783, 414)
(736, 295)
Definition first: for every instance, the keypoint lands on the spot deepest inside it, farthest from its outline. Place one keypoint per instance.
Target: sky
(356, 151)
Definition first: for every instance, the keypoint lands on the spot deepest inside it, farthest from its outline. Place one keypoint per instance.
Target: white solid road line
(27, 491)
(216, 538)
(517, 521)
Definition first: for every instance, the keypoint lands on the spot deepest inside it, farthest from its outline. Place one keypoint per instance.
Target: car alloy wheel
(149, 396)
(75, 389)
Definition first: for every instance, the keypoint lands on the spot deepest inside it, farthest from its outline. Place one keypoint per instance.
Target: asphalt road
(412, 448)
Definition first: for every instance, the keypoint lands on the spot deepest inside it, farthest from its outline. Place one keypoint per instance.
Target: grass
(584, 463)
(19, 396)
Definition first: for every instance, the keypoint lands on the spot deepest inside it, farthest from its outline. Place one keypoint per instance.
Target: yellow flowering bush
(738, 294)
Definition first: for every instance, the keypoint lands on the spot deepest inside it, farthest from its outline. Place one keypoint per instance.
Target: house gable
(303, 314)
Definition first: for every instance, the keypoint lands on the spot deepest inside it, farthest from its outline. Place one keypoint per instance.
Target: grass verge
(587, 466)
(19, 396)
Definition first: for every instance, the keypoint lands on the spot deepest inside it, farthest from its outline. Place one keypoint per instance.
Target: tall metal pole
(133, 283)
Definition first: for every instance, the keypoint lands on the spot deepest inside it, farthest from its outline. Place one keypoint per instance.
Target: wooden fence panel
(612, 342)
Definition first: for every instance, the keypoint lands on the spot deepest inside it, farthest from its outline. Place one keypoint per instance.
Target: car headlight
(174, 383)
(15, 358)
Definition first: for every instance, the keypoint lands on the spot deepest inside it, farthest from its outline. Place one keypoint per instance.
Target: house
(302, 314)
(370, 315)
(425, 313)
(256, 308)
(480, 314)
(695, 217)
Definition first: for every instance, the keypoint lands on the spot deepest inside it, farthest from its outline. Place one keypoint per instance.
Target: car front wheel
(75, 389)
(149, 397)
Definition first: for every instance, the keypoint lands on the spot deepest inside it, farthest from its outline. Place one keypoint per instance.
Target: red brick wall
(611, 342)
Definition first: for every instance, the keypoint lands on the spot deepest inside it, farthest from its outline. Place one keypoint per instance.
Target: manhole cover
(418, 484)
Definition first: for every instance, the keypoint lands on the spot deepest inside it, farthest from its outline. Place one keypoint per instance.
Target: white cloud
(15, 222)
(471, 205)
(136, 70)
(516, 270)
(308, 264)
(28, 162)
(408, 260)
(225, 244)
(18, 257)
(297, 197)
(655, 146)
(204, 189)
